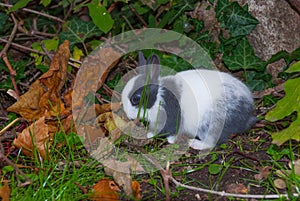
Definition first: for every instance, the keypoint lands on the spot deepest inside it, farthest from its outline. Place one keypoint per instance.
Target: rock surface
(279, 27)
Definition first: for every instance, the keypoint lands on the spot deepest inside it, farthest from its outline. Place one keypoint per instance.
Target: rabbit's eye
(135, 99)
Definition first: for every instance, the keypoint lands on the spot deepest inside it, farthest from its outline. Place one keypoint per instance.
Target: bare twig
(23, 47)
(9, 125)
(166, 174)
(12, 75)
(9, 162)
(35, 12)
(152, 160)
(5, 59)
(138, 16)
(269, 91)
(39, 52)
(223, 193)
(46, 51)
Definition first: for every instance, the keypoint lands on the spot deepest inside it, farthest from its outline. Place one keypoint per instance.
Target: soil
(246, 151)
(254, 154)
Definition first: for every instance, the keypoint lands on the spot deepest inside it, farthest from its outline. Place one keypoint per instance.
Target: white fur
(130, 111)
(198, 96)
(200, 91)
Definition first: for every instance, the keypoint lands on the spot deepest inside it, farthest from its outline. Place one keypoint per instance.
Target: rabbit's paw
(150, 135)
(171, 139)
(199, 145)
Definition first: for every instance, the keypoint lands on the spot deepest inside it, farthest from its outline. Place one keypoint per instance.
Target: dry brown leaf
(107, 107)
(103, 150)
(105, 190)
(36, 136)
(121, 172)
(280, 183)
(136, 189)
(296, 166)
(43, 102)
(5, 192)
(110, 121)
(43, 97)
(95, 66)
(236, 188)
(263, 172)
(282, 173)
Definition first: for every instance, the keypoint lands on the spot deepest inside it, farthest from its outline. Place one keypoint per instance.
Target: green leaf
(290, 133)
(288, 57)
(233, 17)
(100, 16)
(19, 4)
(285, 107)
(258, 81)
(294, 68)
(77, 31)
(215, 168)
(50, 45)
(46, 2)
(289, 104)
(7, 169)
(140, 9)
(243, 57)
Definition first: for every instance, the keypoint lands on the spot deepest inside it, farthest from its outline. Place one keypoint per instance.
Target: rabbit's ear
(154, 63)
(142, 60)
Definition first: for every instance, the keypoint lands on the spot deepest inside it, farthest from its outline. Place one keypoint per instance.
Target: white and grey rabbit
(205, 105)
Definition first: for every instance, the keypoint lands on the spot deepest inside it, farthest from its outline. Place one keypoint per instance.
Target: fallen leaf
(136, 189)
(36, 136)
(281, 173)
(105, 190)
(236, 188)
(107, 107)
(280, 183)
(263, 172)
(112, 123)
(104, 148)
(120, 171)
(5, 191)
(95, 66)
(296, 166)
(43, 104)
(43, 97)
(255, 140)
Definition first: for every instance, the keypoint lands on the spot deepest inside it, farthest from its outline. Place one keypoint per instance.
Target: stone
(279, 27)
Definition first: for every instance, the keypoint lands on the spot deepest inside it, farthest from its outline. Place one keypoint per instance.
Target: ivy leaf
(285, 107)
(288, 57)
(233, 17)
(243, 57)
(19, 4)
(77, 31)
(100, 16)
(258, 81)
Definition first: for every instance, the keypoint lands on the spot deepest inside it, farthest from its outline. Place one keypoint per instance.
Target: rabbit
(205, 105)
